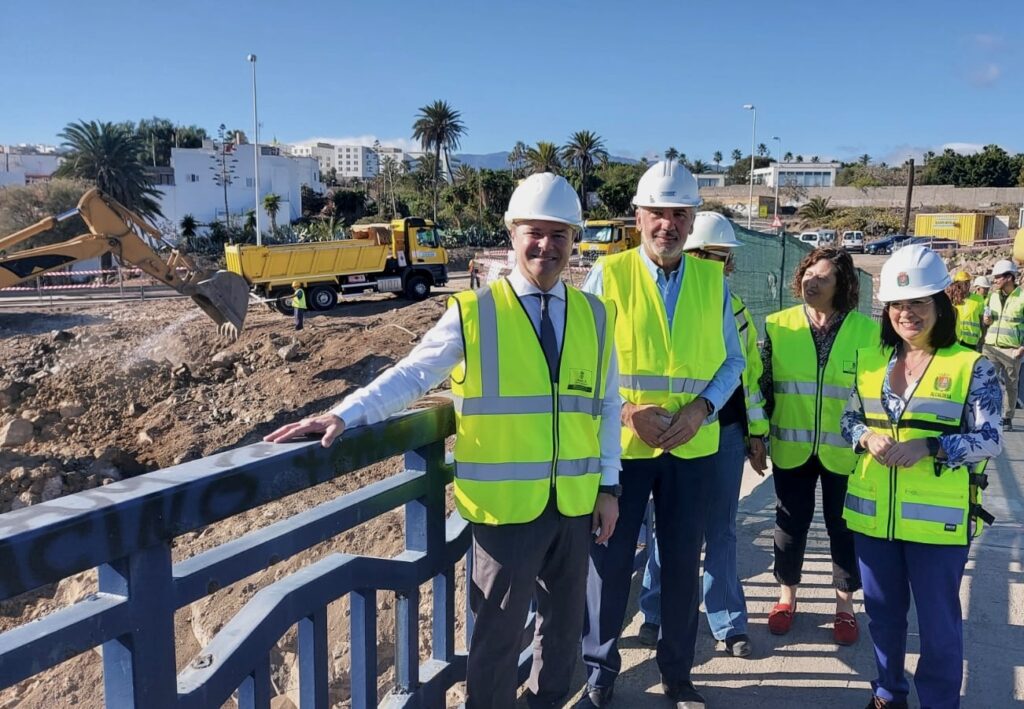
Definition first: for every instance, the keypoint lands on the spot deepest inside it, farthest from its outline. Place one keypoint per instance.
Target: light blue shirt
(727, 378)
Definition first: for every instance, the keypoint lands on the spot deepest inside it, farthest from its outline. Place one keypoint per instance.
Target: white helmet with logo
(545, 196)
(912, 272)
(1004, 266)
(667, 184)
(982, 282)
(711, 229)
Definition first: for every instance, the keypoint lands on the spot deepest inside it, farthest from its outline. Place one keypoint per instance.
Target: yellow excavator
(113, 228)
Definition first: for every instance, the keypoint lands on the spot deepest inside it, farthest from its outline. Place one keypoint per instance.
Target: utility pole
(251, 58)
(910, 193)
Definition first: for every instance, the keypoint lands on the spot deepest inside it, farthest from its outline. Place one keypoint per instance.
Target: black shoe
(1007, 424)
(879, 703)
(735, 645)
(648, 634)
(684, 694)
(595, 697)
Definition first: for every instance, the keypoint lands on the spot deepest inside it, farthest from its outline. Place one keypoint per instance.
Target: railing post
(313, 660)
(407, 656)
(363, 639)
(254, 692)
(139, 667)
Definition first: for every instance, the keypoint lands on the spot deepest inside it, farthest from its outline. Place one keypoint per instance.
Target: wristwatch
(613, 490)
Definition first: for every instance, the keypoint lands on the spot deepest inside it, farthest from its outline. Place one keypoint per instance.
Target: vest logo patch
(902, 280)
(849, 366)
(581, 380)
(943, 382)
(950, 527)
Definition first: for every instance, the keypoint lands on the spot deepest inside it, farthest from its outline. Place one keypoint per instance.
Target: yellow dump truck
(608, 236)
(403, 257)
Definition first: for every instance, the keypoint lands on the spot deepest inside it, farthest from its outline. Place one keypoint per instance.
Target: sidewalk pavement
(805, 668)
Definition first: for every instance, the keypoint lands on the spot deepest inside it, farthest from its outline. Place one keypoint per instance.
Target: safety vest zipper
(818, 403)
(893, 473)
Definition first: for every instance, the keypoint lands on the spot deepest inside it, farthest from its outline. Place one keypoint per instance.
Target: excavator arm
(222, 295)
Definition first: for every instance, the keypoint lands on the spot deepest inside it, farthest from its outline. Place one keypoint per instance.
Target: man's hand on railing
(328, 424)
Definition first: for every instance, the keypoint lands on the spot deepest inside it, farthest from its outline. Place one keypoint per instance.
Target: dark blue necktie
(548, 341)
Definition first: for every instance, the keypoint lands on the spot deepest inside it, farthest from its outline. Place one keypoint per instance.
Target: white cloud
(407, 145)
(986, 74)
(901, 153)
(961, 148)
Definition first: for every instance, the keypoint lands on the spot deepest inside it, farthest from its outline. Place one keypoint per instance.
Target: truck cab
(608, 236)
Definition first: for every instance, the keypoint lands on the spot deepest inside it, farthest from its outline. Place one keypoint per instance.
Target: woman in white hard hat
(1004, 339)
(808, 357)
(924, 417)
(743, 428)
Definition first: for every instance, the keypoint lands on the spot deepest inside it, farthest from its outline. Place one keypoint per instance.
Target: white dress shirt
(441, 350)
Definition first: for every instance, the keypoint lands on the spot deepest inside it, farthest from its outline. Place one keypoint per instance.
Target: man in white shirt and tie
(535, 380)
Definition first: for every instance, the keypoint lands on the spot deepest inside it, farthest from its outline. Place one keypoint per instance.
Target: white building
(799, 174)
(23, 168)
(198, 183)
(710, 179)
(323, 153)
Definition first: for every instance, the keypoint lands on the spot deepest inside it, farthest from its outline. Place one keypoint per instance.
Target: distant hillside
(499, 161)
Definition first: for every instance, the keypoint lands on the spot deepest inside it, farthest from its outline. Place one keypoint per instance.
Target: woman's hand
(905, 454)
(877, 445)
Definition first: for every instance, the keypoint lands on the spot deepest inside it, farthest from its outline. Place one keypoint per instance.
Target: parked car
(853, 241)
(886, 244)
(811, 238)
(934, 242)
(826, 237)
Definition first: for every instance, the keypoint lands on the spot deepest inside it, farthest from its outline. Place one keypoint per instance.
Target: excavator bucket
(224, 296)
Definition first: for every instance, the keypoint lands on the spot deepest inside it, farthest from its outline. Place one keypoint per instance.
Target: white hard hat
(667, 184)
(545, 196)
(912, 272)
(711, 229)
(982, 282)
(1004, 266)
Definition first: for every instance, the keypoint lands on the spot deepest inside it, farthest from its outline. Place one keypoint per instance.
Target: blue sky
(834, 79)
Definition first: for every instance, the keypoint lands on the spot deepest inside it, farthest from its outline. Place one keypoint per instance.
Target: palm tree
(717, 158)
(815, 159)
(699, 167)
(438, 127)
(682, 160)
(271, 205)
(188, 226)
(464, 174)
(762, 150)
(864, 159)
(736, 155)
(584, 149)
(671, 154)
(788, 157)
(517, 158)
(816, 209)
(799, 158)
(543, 158)
(108, 155)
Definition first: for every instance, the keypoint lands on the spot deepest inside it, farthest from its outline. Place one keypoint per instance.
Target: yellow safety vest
(757, 421)
(517, 436)
(928, 502)
(667, 369)
(809, 400)
(968, 321)
(299, 299)
(1007, 320)
(977, 297)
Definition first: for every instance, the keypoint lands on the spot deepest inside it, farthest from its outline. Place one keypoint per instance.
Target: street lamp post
(778, 175)
(753, 140)
(256, 148)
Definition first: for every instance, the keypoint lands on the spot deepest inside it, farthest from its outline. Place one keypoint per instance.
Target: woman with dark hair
(969, 311)
(809, 362)
(923, 416)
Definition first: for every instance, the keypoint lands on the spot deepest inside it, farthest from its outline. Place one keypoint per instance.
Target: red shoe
(845, 630)
(780, 620)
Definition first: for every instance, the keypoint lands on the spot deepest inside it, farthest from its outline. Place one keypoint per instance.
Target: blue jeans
(724, 603)
(892, 571)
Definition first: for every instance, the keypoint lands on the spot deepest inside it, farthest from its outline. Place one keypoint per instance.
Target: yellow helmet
(962, 276)
(296, 284)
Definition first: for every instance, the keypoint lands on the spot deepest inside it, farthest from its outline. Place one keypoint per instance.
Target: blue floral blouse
(981, 423)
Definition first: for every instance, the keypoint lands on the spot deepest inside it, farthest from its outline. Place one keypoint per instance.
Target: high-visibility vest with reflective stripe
(977, 297)
(299, 299)
(809, 400)
(921, 503)
(667, 369)
(1007, 329)
(517, 436)
(968, 321)
(757, 421)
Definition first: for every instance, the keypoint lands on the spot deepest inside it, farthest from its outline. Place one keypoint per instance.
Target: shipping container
(965, 228)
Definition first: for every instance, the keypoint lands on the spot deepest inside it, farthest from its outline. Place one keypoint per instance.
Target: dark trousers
(680, 492)
(544, 559)
(794, 511)
(299, 312)
(474, 280)
(893, 571)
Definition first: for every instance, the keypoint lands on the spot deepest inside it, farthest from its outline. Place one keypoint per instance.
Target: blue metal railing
(126, 529)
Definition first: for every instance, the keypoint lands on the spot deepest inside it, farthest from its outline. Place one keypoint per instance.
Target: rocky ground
(91, 395)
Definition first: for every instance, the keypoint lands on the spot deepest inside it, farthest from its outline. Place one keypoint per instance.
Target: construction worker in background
(474, 272)
(743, 426)
(980, 289)
(680, 358)
(809, 356)
(537, 449)
(969, 311)
(913, 502)
(1004, 340)
(298, 304)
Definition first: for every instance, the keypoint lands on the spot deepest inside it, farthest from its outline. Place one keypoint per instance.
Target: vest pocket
(861, 506)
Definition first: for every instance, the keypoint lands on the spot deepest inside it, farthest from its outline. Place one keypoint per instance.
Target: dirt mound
(121, 389)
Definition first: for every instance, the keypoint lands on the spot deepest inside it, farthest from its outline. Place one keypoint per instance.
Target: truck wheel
(323, 298)
(417, 287)
(283, 305)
